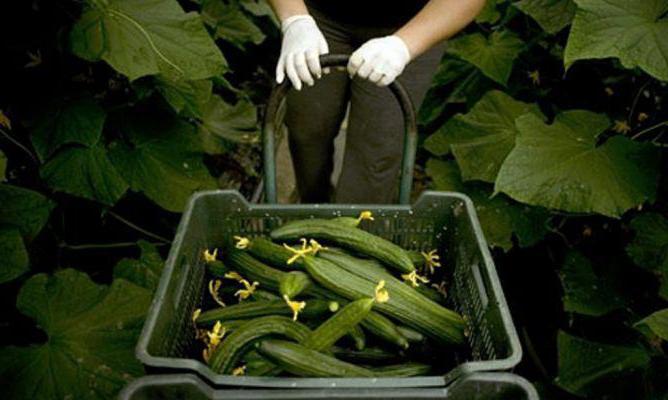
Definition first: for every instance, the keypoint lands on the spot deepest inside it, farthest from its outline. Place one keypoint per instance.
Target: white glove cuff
(291, 20)
(400, 44)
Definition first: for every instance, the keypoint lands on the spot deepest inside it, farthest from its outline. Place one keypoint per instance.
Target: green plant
(550, 115)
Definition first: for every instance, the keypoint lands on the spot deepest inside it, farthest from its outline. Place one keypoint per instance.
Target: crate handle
(270, 125)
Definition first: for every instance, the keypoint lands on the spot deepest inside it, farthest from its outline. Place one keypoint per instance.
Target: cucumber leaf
(85, 172)
(186, 97)
(635, 32)
(582, 363)
(230, 23)
(649, 247)
(24, 210)
(551, 15)
(584, 292)
(139, 38)
(482, 138)
(236, 123)
(13, 254)
(79, 121)
(494, 55)
(145, 271)
(489, 14)
(561, 166)
(501, 218)
(91, 329)
(657, 323)
(164, 160)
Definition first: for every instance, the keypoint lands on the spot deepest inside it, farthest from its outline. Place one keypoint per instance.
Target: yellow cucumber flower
(210, 257)
(431, 260)
(298, 252)
(248, 290)
(242, 242)
(214, 286)
(413, 278)
(381, 294)
(365, 215)
(234, 276)
(316, 247)
(295, 306)
(239, 371)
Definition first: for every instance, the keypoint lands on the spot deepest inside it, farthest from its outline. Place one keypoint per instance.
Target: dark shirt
(371, 13)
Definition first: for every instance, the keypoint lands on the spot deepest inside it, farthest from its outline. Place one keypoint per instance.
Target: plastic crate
(480, 386)
(441, 220)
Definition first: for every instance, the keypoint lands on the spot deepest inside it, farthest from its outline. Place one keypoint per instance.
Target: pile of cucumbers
(306, 300)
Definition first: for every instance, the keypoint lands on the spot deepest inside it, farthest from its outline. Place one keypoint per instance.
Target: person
(386, 39)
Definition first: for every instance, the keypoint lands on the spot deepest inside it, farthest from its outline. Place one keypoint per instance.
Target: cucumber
(403, 370)
(258, 308)
(381, 327)
(330, 331)
(405, 304)
(226, 356)
(264, 295)
(217, 268)
(411, 334)
(358, 337)
(347, 237)
(418, 259)
(293, 283)
(302, 361)
(431, 293)
(271, 253)
(370, 355)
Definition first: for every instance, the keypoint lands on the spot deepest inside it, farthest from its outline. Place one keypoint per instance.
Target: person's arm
(302, 45)
(381, 60)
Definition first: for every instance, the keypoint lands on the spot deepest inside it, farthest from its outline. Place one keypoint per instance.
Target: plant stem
(635, 100)
(19, 145)
(138, 228)
(651, 128)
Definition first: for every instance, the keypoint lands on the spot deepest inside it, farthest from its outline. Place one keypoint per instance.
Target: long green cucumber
(267, 251)
(338, 325)
(417, 258)
(358, 337)
(411, 334)
(217, 268)
(347, 237)
(413, 309)
(370, 355)
(401, 292)
(302, 361)
(264, 295)
(403, 370)
(259, 308)
(293, 283)
(226, 356)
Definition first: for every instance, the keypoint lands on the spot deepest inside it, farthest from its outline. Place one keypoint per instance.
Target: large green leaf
(237, 123)
(230, 23)
(658, 323)
(187, 97)
(489, 13)
(144, 271)
(584, 292)
(91, 329)
(560, 166)
(13, 255)
(139, 38)
(164, 160)
(85, 172)
(500, 217)
(481, 139)
(582, 363)
(79, 121)
(551, 15)
(635, 32)
(649, 248)
(493, 55)
(24, 210)
(260, 8)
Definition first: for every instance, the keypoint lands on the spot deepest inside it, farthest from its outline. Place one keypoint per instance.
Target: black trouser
(374, 136)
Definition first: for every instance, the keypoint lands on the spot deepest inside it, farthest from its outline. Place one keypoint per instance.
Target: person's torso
(372, 13)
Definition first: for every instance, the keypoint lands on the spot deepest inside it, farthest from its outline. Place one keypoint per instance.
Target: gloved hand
(303, 43)
(380, 60)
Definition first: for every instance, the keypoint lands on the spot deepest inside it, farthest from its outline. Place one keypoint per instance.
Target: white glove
(303, 43)
(380, 60)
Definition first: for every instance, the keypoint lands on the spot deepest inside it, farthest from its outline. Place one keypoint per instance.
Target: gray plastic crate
(445, 221)
(480, 386)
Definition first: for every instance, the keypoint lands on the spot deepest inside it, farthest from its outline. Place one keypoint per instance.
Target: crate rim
(188, 378)
(466, 368)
